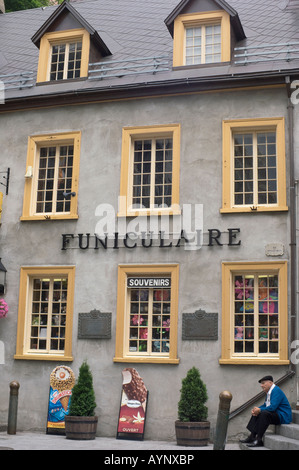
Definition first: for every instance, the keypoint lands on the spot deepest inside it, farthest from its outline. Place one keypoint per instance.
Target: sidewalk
(40, 441)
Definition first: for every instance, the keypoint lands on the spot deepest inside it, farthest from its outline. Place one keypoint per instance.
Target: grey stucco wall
(39, 243)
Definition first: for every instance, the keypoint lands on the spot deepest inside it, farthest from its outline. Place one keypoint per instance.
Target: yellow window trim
(29, 197)
(48, 39)
(25, 275)
(1, 202)
(142, 269)
(197, 19)
(228, 269)
(130, 133)
(253, 125)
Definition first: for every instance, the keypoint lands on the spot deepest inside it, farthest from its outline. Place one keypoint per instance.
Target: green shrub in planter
(83, 396)
(191, 406)
(192, 427)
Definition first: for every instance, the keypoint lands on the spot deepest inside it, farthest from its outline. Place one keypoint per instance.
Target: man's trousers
(259, 424)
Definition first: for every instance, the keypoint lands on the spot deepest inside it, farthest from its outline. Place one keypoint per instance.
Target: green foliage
(15, 5)
(191, 406)
(83, 396)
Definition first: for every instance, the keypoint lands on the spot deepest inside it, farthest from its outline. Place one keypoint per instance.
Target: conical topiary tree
(191, 406)
(83, 396)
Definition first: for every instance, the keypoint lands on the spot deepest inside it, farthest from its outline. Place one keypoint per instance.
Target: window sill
(255, 361)
(199, 66)
(231, 210)
(63, 80)
(43, 357)
(49, 217)
(148, 360)
(149, 212)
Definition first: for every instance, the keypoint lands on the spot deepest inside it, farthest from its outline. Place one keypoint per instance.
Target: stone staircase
(285, 437)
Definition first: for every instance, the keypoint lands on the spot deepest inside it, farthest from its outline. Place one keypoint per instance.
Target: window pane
(57, 62)
(54, 178)
(256, 313)
(267, 178)
(65, 174)
(213, 44)
(74, 60)
(152, 173)
(193, 46)
(48, 314)
(149, 321)
(45, 180)
(255, 154)
(163, 168)
(243, 164)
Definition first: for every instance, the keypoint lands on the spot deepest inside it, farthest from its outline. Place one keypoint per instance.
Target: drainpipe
(293, 229)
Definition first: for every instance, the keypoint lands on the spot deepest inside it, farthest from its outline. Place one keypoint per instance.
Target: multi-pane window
(150, 170)
(48, 314)
(45, 316)
(152, 173)
(149, 321)
(256, 314)
(203, 44)
(55, 174)
(65, 60)
(255, 168)
(52, 177)
(147, 313)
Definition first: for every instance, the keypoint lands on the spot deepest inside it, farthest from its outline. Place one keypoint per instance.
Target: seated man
(275, 410)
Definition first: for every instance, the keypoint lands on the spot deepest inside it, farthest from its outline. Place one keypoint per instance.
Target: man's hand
(255, 411)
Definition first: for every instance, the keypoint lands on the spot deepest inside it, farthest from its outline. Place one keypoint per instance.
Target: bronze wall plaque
(94, 325)
(200, 325)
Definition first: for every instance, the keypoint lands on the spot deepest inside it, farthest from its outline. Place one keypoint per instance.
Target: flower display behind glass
(3, 308)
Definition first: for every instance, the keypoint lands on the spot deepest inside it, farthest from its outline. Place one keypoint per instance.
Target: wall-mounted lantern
(3, 272)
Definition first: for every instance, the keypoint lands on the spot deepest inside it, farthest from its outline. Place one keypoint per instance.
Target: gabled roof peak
(221, 4)
(66, 7)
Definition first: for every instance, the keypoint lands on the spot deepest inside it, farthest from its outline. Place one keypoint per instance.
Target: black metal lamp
(3, 272)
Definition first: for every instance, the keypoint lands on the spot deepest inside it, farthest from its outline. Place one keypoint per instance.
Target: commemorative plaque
(94, 325)
(200, 325)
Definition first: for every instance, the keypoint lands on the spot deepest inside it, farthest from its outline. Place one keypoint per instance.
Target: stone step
(295, 416)
(245, 447)
(288, 430)
(277, 442)
(284, 437)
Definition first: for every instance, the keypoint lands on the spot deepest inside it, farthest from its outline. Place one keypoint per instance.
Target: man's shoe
(256, 443)
(247, 440)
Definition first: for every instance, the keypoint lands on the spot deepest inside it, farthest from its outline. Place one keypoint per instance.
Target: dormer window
(63, 55)
(203, 36)
(64, 52)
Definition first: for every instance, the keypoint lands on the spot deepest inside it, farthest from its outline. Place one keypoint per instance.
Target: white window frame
(203, 46)
(66, 59)
(256, 180)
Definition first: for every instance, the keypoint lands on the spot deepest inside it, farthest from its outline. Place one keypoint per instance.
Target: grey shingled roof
(136, 28)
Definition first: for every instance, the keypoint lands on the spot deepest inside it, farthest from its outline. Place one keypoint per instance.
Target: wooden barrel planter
(192, 433)
(81, 427)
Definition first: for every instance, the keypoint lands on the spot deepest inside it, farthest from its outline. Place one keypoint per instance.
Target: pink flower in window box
(3, 308)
